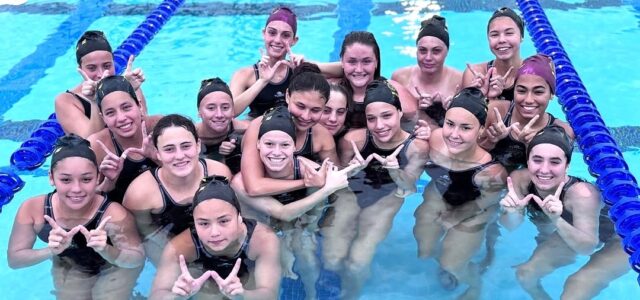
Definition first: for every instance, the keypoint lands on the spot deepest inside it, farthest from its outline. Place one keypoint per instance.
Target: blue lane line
(352, 15)
(30, 69)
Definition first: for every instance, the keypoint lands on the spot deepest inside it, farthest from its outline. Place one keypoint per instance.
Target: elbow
(282, 215)
(587, 247)
(13, 263)
(254, 190)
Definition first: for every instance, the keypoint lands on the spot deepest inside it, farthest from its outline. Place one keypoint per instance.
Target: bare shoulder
(265, 239)
(567, 128)
(356, 135)
(141, 192)
(402, 75)
(31, 210)
(243, 77)
(218, 168)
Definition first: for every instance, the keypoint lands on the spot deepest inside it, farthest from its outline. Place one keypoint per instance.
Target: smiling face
(306, 108)
(383, 121)
(95, 63)
(532, 95)
(218, 224)
(461, 130)
(431, 54)
(359, 64)
(335, 112)
(504, 38)
(178, 151)
(75, 180)
(548, 166)
(216, 111)
(276, 151)
(277, 35)
(121, 114)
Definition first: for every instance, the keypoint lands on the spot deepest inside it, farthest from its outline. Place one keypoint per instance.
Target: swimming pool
(208, 39)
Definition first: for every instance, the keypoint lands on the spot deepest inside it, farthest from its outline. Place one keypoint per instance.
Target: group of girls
(327, 154)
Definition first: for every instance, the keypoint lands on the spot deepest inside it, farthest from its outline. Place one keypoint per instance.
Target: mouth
(529, 108)
(126, 127)
(276, 48)
(215, 243)
(544, 178)
(383, 133)
(277, 160)
(503, 49)
(181, 164)
(454, 143)
(305, 124)
(76, 199)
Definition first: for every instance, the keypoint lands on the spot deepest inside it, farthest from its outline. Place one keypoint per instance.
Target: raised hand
(552, 205)
(312, 177)
(390, 161)
(135, 77)
(112, 165)
(527, 133)
(88, 84)
(511, 203)
(294, 59)
(498, 130)
(481, 81)
(186, 285)
(96, 238)
(426, 100)
(497, 83)
(147, 149)
(227, 147)
(59, 239)
(337, 179)
(358, 161)
(230, 287)
(422, 130)
(265, 70)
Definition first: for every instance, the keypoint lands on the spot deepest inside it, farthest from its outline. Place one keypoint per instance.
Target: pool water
(208, 39)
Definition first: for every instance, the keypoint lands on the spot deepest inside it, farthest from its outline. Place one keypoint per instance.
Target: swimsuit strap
(85, 104)
(115, 144)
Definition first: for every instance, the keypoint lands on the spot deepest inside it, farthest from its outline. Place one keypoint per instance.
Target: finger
(200, 280)
(216, 278)
(508, 72)
(82, 230)
(418, 92)
(525, 200)
(51, 222)
(84, 75)
(475, 74)
(356, 151)
(349, 168)
(498, 115)
(530, 124)
(261, 52)
(129, 64)
(510, 185)
(144, 128)
(397, 151)
(489, 74)
(103, 223)
(276, 65)
(236, 268)
(378, 158)
(288, 49)
(106, 150)
(559, 190)
(233, 140)
(105, 74)
(538, 200)
(126, 152)
(183, 266)
(514, 126)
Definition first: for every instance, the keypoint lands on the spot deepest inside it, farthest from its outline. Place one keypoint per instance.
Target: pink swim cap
(286, 15)
(540, 65)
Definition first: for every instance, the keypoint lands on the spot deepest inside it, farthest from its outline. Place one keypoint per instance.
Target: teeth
(545, 177)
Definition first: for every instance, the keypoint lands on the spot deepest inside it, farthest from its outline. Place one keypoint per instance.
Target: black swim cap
(90, 41)
(215, 187)
(555, 135)
(381, 91)
(473, 101)
(71, 145)
(211, 85)
(112, 84)
(435, 26)
(278, 118)
(509, 13)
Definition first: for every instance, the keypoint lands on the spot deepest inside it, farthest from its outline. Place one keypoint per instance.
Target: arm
(256, 184)
(71, 117)
(243, 92)
(20, 252)
(406, 178)
(331, 69)
(585, 206)
(169, 267)
(512, 218)
(485, 140)
(267, 271)
(137, 200)
(127, 250)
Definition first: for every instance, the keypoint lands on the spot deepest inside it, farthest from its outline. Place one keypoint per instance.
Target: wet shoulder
(262, 240)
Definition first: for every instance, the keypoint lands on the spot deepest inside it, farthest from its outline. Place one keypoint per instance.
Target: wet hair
(365, 38)
(555, 135)
(90, 41)
(72, 145)
(215, 187)
(472, 100)
(509, 13)
(306, 77)
(114, 83)
(173, 120)
(381, 91)
(284, 14)
(278, 118)
(211, 85)
(435, 26)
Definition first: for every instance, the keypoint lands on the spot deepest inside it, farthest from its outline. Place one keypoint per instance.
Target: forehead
(279, 26)
(431, 42)
(217, 97)
(502, 23)
(359, 50)
(115, 99)
(175, 134)
(97, 57)
(379, 107)
(213, 209)
(531, 80)
(337, 100)
(547, 151)
(461, 115)
(74, 165)
(309, 98)
(276, 135)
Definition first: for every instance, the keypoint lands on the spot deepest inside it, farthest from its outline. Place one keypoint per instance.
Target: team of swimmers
(226, 207)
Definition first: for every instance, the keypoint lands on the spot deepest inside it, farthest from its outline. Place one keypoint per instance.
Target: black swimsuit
(456, 187)
(212, 151)
(606, 229)
(224, 265)
(271, 95)
(78, 254)
(130, 170)
(507, 94)
(288, 197)
(85, 104)
(374, 182)
(509, 152)
(173, 214)
(307, 149)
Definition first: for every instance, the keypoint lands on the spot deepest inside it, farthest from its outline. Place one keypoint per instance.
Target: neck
(210, 136)
(503, 65)
(77, 216)
(466, 156)
(358, 94)
(181, 183)
(285, 173)
(134, 141)
(431, 78)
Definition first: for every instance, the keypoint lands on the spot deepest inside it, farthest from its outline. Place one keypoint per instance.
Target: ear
(198, 146)
(286, 96)
(239, 218)
(51, 182)
(294, 41)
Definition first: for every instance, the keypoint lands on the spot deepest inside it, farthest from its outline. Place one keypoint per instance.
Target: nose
(379, 124)
(218, 113)
(214, 231)
(429, 55)
(305, 115)
(501, 38)
(359, 67)
(544, 167)
(333, 117)
(75, 186)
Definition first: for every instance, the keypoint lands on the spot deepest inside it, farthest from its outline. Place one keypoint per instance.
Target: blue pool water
(208, 39)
